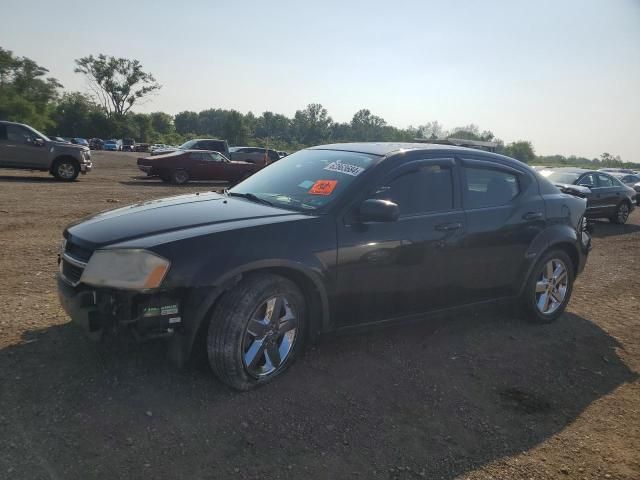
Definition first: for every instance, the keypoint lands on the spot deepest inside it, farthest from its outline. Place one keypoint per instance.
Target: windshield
(188, 145)
(560, 177)
(306, 180)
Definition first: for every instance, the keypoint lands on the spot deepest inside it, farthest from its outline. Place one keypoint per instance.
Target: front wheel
(256, 331)
(66, 170)
(622, 214)
(549, 287)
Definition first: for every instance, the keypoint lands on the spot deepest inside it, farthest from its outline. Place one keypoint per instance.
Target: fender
(201, 299)
(553, 235)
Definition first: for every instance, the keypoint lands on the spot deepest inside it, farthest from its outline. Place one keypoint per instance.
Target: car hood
(167, 215)
(69, 145)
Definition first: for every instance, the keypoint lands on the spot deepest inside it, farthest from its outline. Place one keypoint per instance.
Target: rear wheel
(66, 169)
(549, 287)
(180, 177)
(256, 331)
(622, 214)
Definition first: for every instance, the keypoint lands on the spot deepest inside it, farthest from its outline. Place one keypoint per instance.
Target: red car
(183, 165)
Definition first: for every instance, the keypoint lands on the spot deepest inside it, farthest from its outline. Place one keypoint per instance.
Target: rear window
(487, 187)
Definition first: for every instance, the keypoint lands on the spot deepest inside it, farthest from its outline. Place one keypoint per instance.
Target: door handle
(445, 227)
(532, 216)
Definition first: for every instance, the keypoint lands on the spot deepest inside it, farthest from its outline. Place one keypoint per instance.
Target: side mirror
(38, 142)
(375, 210)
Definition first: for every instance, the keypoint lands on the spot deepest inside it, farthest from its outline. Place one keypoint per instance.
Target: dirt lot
(472, 395)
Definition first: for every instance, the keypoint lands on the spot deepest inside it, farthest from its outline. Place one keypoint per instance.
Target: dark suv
(329, 238)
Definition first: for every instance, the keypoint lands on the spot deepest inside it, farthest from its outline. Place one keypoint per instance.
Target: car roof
(386, 148)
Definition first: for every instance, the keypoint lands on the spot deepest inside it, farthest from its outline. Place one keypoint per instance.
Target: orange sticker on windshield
(323, 187)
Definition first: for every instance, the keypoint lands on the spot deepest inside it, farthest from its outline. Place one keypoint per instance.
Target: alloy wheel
(551, 287)
(66, 170)
(269, 336)
(623, 213)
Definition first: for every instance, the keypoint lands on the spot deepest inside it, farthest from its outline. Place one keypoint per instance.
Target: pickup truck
(23, 147)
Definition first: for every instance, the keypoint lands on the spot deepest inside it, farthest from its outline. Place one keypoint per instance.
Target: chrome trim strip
(74, 261)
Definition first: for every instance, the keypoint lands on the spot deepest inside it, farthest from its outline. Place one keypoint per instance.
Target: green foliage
(117, 83)
(521, 150)
(26, 94)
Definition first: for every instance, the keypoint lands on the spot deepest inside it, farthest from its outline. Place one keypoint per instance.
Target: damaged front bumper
(101, 311)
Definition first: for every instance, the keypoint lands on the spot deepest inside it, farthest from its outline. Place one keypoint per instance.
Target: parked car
(112, 145)
(79, 141)
(632, 181)
(157, 146)
(141, 147)
(616, 170)
(96, 144)
(257, 155)
(23, 147)
(210, 144)
(607, 197)
(181, 166)
(327, 239)
(128, 145)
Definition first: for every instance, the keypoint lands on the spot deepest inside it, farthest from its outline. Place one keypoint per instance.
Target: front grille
(71, 272)
(73, 262)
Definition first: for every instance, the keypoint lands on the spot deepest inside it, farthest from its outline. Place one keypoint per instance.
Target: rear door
(610, 193)
(504, 212)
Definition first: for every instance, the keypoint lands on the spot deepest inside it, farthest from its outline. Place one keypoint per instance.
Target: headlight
(129, 269)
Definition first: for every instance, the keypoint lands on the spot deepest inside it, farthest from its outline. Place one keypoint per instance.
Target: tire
(245, 350)
(622, 214)
(65, 169)
(537, 307)
(179, 177)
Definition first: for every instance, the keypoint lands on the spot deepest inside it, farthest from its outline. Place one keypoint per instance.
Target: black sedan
(607, 196)
(327, 239)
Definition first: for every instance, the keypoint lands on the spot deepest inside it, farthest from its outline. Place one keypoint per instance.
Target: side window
(588, 180)
(16, 134)
(213, 157)
(197, 156)
(487, 187)
(605, 180)
(425, 189)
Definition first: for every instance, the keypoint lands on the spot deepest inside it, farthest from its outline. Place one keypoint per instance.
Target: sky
(563, 74)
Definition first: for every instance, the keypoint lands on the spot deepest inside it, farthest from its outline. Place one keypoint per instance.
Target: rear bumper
(146, 169)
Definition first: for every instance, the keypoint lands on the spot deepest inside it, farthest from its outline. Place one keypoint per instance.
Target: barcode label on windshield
(346, 168)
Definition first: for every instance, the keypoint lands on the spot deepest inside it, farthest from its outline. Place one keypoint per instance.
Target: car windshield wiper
(250, 196)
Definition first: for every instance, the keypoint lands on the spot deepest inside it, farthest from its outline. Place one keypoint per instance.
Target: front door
(208, 166)
(18, 148)
(389, 270)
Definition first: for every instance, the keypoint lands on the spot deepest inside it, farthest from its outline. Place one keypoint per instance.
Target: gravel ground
(477, 394)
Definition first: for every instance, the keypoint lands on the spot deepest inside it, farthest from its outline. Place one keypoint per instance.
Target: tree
(74, 115)
(521, 150)
(234, 128)
(273, 126)
(162, 122)
(26, 94)
(186, 122)
(311, 125)
(431, 130)
(367, 127)
(117, 83)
